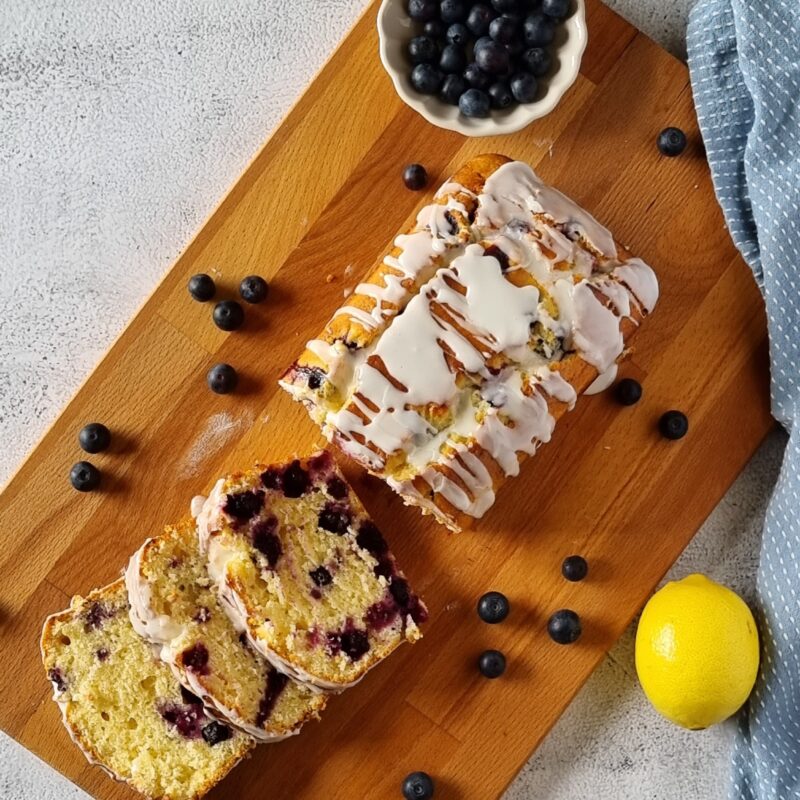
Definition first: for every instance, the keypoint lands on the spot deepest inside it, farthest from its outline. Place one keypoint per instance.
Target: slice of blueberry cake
(174, 605)
(304, 570)
(124, 708)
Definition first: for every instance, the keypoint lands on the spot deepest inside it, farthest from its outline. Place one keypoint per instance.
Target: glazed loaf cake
(175, 606)
(456, 356)
(123, 707)
(305, 572)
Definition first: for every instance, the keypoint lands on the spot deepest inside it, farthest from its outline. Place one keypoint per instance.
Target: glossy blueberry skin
(452, 89)
(253, 289)
(434, 28)
(228, 315)
(492, 664)
(493, 59)
(574, 568)
(536, 60)
(628, 392)
(94, 437)
(458, 33)
(452, 11)
(422, 49)
(453, 59)
(479, 18)
(202, 287)
(84, 476)
(500, 95)
(564, 627)
(415, 177)
(222, 379)
(671, 142)
(418, 786)
(477, 78)
(557, 9)
(423, 10)
(503, 30)
(673, 425)
(474, 103)
(493, 607)
(524, 87)
(426, 79)
(538, 30)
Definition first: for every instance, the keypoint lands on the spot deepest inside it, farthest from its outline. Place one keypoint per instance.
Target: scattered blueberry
(369, 538)
(474, 103)
(243, 506)
(222, 378)
(253, 289)
(422, 49)
(458, 33)
(418, 786)
(426, 79)
(434, 28)
(536, 60)
(574, 568)
(266, 540)
(354, 644)
(56, 677)
(503, 30)
(453, 59)
(493, 607)
(295, 480)
(215, 732)
(479, 18)
(94, 437)
(195, 659)
(452, 89)
(523, 87)
(202, 287)
(334, 518)
(321, 576)
(423, 10)
(493, 58)
(673, 425)
(452, 11)
(476, 77)
(628, 392)
(84, 476)
(671, 142)
(500, 95)
(228, 315)
(492, 663)
(415, 177)
(187, 719)
(96, 616)
(558, 9)
(538, 30)
(564, 627)
(337, 488)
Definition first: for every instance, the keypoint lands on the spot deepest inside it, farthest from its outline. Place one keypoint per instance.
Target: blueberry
(628, 392)
(492, 663)
(321, 576)
(201, 287)
(337, 488)
(243, 506)
(493, 58)
(222, 378)
(195, 659)
(673, 425)
(216, 732)
(503, 30)
(228, 315)
(266, 540)
(515, 46)
(523, 87)
(253, 289)
(481, 42)
(474, 103)
(422, 49)
(295, 480)
(370, 539)
(538, 30)
(94, 437)
(434, 28)
(506, 6)
(671, 142)
(558, 9)
(536, 60)
(418, 786)
(479, 18)
(574, 568)
(415, 177)
(423, 10)
(355, 644)
(500, 95)
(493, 607)
(458, 33)
(452, 11)
(84, 476)
(453, 59)
(334, 518)
(452, 89)
(564, 627)
(477, 78)
(426, 79)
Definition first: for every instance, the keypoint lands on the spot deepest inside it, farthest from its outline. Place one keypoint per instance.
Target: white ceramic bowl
(396, 29)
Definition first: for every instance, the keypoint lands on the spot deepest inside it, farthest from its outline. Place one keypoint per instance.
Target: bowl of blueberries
(482, 68)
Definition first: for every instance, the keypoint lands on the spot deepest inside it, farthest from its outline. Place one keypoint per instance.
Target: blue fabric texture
(744, 58)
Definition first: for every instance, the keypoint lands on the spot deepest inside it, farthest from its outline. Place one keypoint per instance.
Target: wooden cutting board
(323, 198)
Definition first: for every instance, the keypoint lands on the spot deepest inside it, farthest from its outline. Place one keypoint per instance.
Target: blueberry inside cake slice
(125, 709)
(304, 570)
(175, 606)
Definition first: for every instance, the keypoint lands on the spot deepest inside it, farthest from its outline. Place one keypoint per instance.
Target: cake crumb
(347, 291)
(348, 269)
(330, 278)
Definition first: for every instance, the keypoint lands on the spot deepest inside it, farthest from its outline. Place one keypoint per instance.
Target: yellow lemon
(696, 652)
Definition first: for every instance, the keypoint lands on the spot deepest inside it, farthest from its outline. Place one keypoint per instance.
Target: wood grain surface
(322, 199)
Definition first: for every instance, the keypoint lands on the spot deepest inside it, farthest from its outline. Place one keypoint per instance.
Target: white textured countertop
(122, 125)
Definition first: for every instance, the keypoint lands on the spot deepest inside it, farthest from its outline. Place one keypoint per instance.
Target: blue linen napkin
(744, 58)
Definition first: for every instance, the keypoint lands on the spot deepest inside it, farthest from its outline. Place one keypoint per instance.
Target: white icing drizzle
(602, 381)
(641, 280)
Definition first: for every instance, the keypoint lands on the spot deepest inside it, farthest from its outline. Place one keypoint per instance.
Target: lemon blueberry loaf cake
(175, 606)
(303, 569)
(456, 356)
(125, 709)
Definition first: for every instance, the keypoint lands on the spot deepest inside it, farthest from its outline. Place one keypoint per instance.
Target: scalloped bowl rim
(392, 18)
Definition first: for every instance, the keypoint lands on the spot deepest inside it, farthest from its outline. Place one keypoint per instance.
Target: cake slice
(174, 606)
(123, 707)
(303, 569)
(454, 358)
